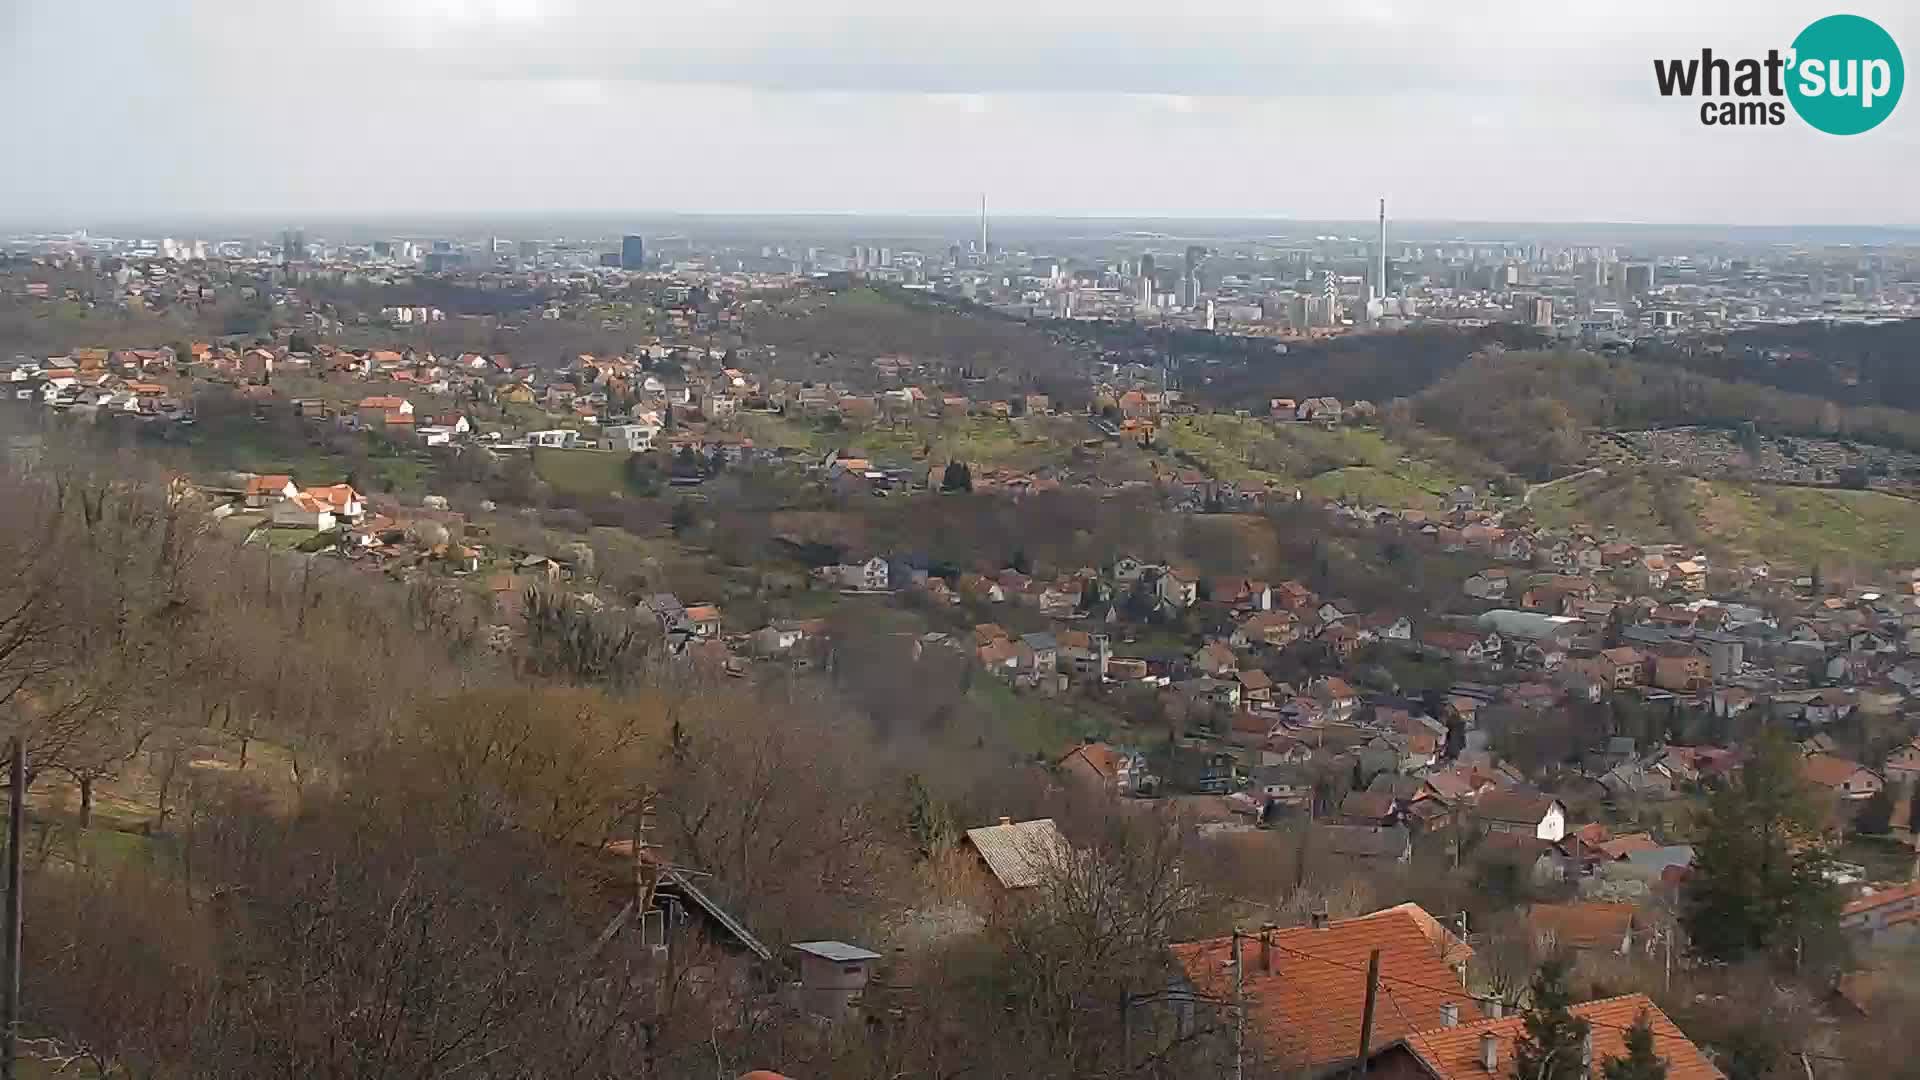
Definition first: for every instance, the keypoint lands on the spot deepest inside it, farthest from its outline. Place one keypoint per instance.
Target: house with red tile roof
(1457, 1049)
(1305, 988)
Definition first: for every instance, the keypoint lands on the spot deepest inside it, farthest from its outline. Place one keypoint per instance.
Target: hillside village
(1560, 709)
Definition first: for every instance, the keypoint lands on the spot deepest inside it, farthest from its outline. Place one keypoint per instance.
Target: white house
(633, 438)
(1527, 813)
(268, 490)
(871, 574)
(303, 511)
(556, 439)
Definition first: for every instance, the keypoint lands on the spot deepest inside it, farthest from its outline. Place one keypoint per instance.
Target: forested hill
(1529, 410)
(1368, 367)
(1851, 363)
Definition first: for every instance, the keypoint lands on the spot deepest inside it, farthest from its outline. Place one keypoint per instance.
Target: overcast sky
(1537, 110)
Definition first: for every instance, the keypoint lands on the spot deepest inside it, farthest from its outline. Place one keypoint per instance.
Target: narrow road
(1531, 488)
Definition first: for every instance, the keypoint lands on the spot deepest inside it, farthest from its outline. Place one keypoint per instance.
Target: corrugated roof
(1018, 853)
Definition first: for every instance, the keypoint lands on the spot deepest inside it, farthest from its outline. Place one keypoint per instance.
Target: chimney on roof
(1319, 917)
(1489, 1052)
(1266, 947)
(1495, 1008)
(1006, 821)
(1449, 1015)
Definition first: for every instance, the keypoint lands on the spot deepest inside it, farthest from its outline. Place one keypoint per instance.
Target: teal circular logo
(1846, 75)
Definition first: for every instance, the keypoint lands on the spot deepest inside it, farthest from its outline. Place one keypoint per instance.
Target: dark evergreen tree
(1553, 1044)
(1759, 881)
(1641, 1062)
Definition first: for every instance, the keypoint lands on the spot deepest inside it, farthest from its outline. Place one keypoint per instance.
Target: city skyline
(464, 107)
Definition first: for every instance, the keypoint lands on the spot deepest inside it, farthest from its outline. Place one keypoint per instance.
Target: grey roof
(1531, 625)
(1662, 857)
(1039, 641)
(1366, 841)
(837, 951)
(1620, 744)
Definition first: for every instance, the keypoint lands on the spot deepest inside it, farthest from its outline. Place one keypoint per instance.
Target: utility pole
(1239, 1011)
(1366, 1015)
(16, 819)
(1126, 1032)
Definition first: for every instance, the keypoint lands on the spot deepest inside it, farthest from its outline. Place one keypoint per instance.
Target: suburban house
(1844, 778)
(1273, 629)
(263, 491)
(1178, 588)
(1460, 646)
(1629, 665)
(1380, 845)
(1524, 813)
(1458, 1049)
(303, 511)
(1017, 855)
(345, 502)
(1886, 915)
(1903, 765)
(632, 438)
(871, 574)
(1215, 659)
(1487, 584)
(703, 620)
(1683, 672)
(1104, 768)
(1584, 926)
(1305, 995)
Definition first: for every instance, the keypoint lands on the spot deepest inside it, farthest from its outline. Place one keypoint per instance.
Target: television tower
(983, 228)
(1380, 259)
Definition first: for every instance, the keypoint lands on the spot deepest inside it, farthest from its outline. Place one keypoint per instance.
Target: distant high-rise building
(442, 247)
(1639, 278)
(293, 245)
(1330, 295)
(383, 249)
(610, 260)
(530, 250)
(1190, 280)
(633, 253)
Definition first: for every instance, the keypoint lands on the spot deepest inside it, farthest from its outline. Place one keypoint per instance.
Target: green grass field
(1796, 526)
(582, 472)
(1028, 722)
(1342, 462)
(1026, 443)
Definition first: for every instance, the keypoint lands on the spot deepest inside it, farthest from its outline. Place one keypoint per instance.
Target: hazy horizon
(1494, 112)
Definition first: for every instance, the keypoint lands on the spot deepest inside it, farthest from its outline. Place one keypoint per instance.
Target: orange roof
(1105, 759)
(1455, 1052)
(1588, 925)
(1622, 846)
(1304, 1007)
(383, 403)
(703, 612)
(268, 485)
(1828, 770)
(1882, 898)
(336, 495)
